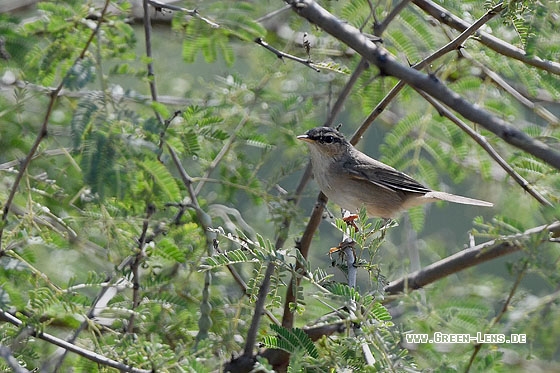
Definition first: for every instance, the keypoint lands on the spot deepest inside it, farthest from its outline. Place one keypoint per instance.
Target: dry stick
(469, 258)
(388, 65)
(43, 131)
(484, 144)
(97, 358)
(492, 42)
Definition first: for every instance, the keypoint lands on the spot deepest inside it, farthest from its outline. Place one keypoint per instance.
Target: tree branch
(469, 258)
(484, 144)
(492, 42)
(388, 65)
(100, 359)
(43, 131)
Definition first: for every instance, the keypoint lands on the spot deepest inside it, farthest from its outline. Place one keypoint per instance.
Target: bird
(352, 179)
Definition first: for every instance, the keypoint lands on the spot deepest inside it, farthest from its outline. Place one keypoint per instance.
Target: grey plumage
(352, 179)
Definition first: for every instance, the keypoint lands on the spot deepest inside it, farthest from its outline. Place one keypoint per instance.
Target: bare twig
(484, 144)
(150, 65)
(44, 128)
(388, 65)
(135, 266)
(193, 13)
(281, 55)
(100, 359)
(504, 309)
(492, 42)
(205, 222)
(379, 28)
(451, 46)
(468, 258)
(11, 361)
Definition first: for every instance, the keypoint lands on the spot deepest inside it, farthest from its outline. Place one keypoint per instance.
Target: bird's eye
(328, 139)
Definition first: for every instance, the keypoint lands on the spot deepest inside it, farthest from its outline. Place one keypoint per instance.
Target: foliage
(115, 246)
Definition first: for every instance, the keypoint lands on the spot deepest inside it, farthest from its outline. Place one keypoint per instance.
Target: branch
(281, 55)
(469, 258)
(388, 65)
(504, 309)
(43, 131)
(100, 359)
(484, 144)
(451, 46)
(193, 13)
(11, 361)
(492, 42)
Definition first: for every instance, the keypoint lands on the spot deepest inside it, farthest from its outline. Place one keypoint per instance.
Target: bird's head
(326, 141)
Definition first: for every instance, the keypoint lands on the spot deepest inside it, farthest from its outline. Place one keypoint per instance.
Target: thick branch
(468, 258)
(388, 65)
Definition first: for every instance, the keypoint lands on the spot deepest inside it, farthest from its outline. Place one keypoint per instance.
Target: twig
(468, 258)
(150, 65)
(504, 309)
(11, 361)
(193, 13)
(135, 266)
(281, 55)
(537, 109)
(379, 28)
(388, 65)
(44, 128)
(205, 222)
(100, 359)
(225, 149)
(492, 42)
(451, 46)
(484, 144)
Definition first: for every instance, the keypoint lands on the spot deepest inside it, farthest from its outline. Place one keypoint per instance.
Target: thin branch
(43, 131)
(492, 42)
(536, 108)
(135, 266)
(193, 13)
(97, 358)
(504, 309)
(225, 149)
(281, 55)
(388, 65)
(451, 46)
(11, 361)
(470, 257)
(379, 28)
(484, 144)
(150, 65)
(205, 222)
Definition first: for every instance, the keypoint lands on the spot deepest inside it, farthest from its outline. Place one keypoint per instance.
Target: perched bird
(351, 179)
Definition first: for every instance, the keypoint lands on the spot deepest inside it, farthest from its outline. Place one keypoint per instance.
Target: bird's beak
(304, 138)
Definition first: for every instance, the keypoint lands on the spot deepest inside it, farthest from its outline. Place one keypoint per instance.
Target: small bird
(351, 179)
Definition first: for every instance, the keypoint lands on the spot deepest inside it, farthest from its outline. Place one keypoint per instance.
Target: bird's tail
(457, 199)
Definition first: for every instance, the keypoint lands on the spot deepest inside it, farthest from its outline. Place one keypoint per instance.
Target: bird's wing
(384, 176)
